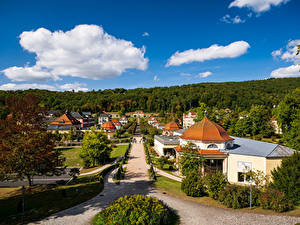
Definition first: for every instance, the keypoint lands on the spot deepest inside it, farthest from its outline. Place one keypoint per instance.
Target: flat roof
(167, 140)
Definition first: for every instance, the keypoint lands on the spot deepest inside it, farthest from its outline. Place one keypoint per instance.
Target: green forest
(237, 96)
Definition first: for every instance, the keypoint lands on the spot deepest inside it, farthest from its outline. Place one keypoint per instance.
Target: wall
(272, 164)
(258, 163)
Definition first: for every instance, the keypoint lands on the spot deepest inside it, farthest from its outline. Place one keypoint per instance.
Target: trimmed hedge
(136, 209)
(236, 196)
(215, 183)
(193, 185)
(275, 200)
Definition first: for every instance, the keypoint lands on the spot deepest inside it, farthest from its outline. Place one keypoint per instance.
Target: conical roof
(108, 126)
(206, 130)
(172, 126)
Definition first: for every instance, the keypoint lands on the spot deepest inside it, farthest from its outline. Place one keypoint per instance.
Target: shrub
(215, 183)
(136, 209)
(193, 185)
(236, 196)
(275, 200)
(285, 178)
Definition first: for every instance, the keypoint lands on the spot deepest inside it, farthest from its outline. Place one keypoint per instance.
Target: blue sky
(87, 45)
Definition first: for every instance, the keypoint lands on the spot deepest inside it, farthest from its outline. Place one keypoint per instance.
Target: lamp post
(250, 181)
(23, 193)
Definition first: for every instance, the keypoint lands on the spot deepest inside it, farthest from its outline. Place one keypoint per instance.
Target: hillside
(234, 95)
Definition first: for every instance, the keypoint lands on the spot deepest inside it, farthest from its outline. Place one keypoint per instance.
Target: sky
(84, 45)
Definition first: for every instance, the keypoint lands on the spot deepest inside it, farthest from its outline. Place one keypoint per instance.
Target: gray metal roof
(167, 140)
(76, 115)
(243, 146)
(58, 127)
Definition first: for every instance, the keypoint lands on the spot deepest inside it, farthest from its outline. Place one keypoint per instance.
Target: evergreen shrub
(275, 200)
(193, 185)
(136, 209)
(215, 183)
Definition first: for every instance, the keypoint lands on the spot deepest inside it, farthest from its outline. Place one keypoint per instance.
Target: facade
(188, 119)
(232, 155)
(138, 114)
(88, 119)
(123, 120)
(104, 117)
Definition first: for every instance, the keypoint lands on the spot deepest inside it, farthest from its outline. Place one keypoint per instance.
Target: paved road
(137, 182)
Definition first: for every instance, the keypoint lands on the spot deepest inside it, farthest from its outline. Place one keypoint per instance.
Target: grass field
(72, 157)
(119, 150)
(174, 188)
(42, 201)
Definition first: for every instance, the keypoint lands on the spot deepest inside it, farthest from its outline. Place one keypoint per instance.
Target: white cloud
(276, 53)
(257, 5)
(235, 20)
(289, 54)
(185, 74)
(74, 86)
(156, 78)
(290, 71)
(215, 51)
(64, 87)
(204, 74)
(12, 86)
(146, 34)
(86, 51)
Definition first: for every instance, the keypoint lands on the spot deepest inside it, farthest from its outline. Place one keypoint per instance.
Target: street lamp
(250, 181)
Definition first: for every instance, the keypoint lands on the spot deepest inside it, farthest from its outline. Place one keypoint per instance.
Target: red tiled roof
(108, 126)
(172, 126)
(116, 122)
(65, 120)
(206, 130)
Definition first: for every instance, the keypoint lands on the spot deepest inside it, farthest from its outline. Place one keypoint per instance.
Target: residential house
(188, 119)
(123, 120)
(104, 117)
(152, 120)
(65, 122)
(117, 124)
(170, 128)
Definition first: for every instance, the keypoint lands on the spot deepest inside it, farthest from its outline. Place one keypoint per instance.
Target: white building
(188, 119)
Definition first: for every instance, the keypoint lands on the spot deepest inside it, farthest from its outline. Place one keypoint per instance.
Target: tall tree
(26, 148)
(95, 148)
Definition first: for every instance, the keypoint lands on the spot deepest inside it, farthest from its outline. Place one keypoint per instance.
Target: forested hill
(234, 95)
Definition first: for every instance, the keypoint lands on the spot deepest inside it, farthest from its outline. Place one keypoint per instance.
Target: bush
(136, 209)
(215, 183)
(275, 200)
(193, 185)
(236, 196)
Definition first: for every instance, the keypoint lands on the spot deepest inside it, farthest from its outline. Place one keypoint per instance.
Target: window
(212, 146)
(243, 168)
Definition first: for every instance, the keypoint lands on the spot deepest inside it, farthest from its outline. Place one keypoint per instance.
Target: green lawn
(72, 157)
(119, 150)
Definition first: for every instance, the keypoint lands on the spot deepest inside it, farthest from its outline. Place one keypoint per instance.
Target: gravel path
(137, 182)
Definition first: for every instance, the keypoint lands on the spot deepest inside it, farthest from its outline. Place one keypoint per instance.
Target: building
(232, 155)
(108, 127)
(89, 119)
(152, 120)
(65, 121)
(104, 117)
(277, 129)
(170, 128)
(188, 119)
(161, 126)
(138, 114)
(117, 124)
(123, 120)
(80, 118)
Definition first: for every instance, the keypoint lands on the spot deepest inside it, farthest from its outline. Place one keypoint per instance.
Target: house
(89, 119)
(114, 114)
(108, 127)
(152, 120)
(232, 155)
(274, 123)
(138, 113)
(161, 126)
(117, 124)
(52, 113)
(66, 120)
(104, 117)
(188, 119)
(123, 120)
(78, 117)
(170, 128)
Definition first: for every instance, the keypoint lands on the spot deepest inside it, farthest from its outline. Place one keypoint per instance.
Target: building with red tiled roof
(117, 124)
(108, 127)
(66, 120)
(152, 120)
(189, 119)
(170, 128)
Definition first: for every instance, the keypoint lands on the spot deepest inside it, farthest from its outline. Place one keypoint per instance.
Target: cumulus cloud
(204, 74)
(228, 19)
(73, 86)
(12, 86)
(276, 53)
(146, 34)
(57, 87)
(185, 74)
(290, 71)
(257, 5)
(86, 51)
(156, 78)
(215, 51)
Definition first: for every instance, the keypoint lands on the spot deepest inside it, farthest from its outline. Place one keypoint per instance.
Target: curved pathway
(137, 182)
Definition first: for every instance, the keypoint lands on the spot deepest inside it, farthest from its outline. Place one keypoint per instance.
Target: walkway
(137, 182)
